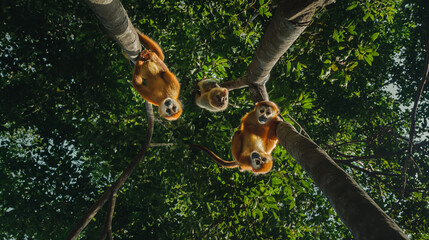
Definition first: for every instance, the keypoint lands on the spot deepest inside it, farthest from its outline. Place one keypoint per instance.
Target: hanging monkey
(211, 97)
(160, 87)
(253, 141)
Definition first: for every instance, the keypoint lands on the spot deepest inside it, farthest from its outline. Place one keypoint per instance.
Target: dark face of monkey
(265, 112)
(170, 109)
(219, 97)
(261, 162)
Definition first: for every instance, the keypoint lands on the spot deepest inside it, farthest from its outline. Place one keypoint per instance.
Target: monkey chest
(150, 70)
(252, 142)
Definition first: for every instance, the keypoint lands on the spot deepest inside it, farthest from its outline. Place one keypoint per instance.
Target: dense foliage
(71, 122)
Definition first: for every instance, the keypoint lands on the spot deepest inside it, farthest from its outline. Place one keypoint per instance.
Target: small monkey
(160, 86)
(211, 97)
(253, 141)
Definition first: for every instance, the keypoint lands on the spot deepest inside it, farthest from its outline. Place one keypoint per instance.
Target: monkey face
(219, 97)
(261, 162)
(170, 109)
(265, 112)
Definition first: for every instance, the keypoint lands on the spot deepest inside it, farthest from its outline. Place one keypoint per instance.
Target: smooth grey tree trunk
(364, 218)
(115, 20)
(289, 21)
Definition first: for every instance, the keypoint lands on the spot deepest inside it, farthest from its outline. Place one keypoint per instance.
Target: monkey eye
(261, 110)
(264, 159)
(174, 108)
(268, 112)
(258, 162)
(168, 111)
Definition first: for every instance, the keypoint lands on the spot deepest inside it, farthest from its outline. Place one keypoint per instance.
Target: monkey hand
(141, 58)
(145, 54)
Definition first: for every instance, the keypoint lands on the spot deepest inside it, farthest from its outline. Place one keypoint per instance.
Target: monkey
(211, 97)
(253, 141)
(160, 86)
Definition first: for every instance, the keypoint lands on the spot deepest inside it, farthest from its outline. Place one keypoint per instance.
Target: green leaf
(354, 5)
(288, 67)
(368, 59)
(307, 106)
(306, 184)
(257, 212)
(366, 16)
(374, 36)
(276, 181)
(336, 36)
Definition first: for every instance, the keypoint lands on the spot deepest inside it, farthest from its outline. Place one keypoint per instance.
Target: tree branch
(258, 93)
(107, 230)
(162, 144)
(372, 173)
(364, 218)
(281, 33)
(301, 129)
(413, 120)
(350, 158)
(74, 233)
(238, 83)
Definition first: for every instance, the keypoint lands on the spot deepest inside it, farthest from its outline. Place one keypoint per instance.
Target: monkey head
(218, 98)
(265, 111)
(170, 109)
(261, 162)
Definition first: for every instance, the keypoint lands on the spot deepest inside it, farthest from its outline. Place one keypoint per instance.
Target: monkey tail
(150, 44)
(218, 160)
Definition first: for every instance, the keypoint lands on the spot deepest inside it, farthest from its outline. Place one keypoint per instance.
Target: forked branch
(413, 121)
(110, 192)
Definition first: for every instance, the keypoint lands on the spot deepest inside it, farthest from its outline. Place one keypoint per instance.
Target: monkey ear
(256, 104)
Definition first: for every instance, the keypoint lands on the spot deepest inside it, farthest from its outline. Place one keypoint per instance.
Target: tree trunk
(357, 210)
(289, 21)
(115, 20)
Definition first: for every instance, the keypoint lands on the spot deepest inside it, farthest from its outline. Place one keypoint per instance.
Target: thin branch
(350, 158)
(341, 144)
(74, 233)
(301, 129)
(162, 144)
(372, 173)
(413, 120)
(107, 230)
(213, 225)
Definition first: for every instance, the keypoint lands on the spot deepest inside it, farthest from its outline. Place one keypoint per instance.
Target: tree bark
(115, 20)
(289, 21)
(364, 218)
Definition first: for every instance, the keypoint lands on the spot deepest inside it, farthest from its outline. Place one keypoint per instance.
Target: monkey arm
(237, 140)
(138, 80)
(151, 44)
(207, 84)
(172, 83)
(202, 100)
(272, 140)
